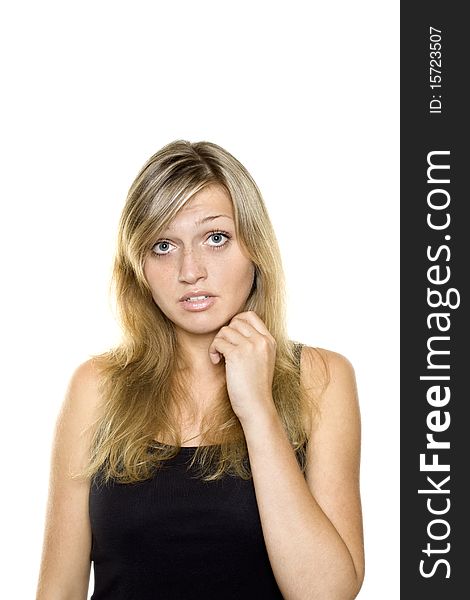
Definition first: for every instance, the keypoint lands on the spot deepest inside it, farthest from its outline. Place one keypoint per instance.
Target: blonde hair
(141, 381)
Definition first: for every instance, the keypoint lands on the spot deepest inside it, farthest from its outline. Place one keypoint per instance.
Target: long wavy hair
(142, 386)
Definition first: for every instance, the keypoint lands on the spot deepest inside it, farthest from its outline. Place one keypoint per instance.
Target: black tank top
(177, 537)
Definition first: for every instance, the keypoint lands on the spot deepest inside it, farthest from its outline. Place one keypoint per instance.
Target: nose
(191, 268)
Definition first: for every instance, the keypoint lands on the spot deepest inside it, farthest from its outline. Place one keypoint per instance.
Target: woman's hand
(249, 351)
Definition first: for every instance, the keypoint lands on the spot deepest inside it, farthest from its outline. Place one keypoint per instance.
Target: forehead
(211, 201)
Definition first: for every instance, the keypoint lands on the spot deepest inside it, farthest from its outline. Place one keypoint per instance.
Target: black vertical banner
(434, 259)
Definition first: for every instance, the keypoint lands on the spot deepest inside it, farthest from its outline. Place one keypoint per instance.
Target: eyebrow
(211, 218)
(205, 220)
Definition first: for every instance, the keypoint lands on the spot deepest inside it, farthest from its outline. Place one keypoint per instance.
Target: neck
(196, 361)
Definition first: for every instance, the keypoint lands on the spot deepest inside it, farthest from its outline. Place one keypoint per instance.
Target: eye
(161, 248)
(220, 238)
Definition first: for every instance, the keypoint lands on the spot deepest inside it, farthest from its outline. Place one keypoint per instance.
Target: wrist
(263, 423)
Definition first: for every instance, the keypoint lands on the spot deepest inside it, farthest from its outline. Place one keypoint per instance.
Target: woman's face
(199, 255)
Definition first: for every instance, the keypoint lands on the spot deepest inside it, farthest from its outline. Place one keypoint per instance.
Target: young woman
(207, 455)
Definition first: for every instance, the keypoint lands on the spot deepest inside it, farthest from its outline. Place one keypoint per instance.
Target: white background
(305, 95)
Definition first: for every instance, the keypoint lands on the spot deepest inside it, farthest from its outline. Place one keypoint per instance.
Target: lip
(198, 305)
(195, 293)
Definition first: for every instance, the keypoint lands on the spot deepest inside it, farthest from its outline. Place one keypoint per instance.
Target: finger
(218, 348)
(243, 326)
(230, 334)
(252, 318)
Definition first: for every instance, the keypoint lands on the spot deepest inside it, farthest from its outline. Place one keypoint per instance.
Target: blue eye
(160, 244)
(220, 235)
(219, 238)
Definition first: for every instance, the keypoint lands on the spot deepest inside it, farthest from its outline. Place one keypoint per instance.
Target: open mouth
(197, 303)
(195, 298)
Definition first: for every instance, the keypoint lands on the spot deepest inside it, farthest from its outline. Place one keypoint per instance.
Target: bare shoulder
(85, 378)
(336, 424)
(336, 431)
(321, 359)
(80, 409)
(333, 453)
(83, 390)
(65, 563)
(330, 374)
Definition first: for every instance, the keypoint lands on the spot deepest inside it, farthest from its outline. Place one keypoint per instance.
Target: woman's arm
(313, 527)
(65, 564)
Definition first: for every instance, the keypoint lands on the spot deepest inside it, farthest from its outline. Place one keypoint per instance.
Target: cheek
(154, 266)
(241, 276)
(159, 280)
